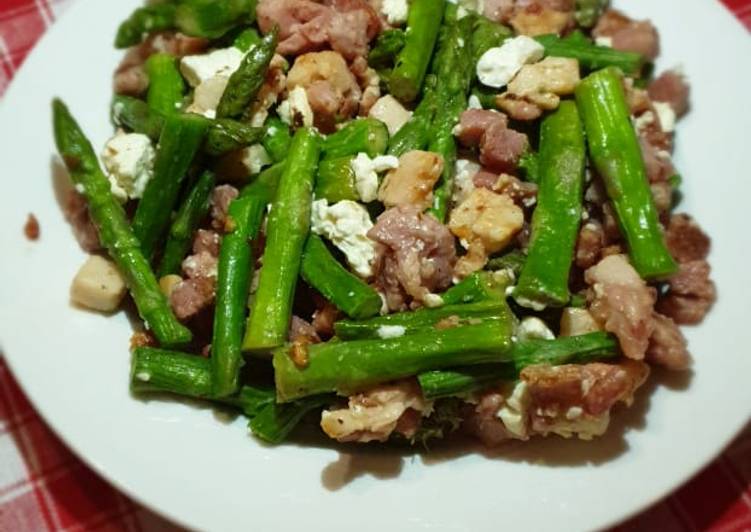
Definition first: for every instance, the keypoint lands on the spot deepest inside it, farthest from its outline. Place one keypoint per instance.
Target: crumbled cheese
(644, 120)
(366, 173)
(207, 96)
(346, 224)
(98, 285)
(129, 160)
(433, 301)
(295, 110)
(498, 66)
(474, 102)
(390, 331)
(666, 115)
(255, 158)
(395, 11)
(199, 68)
(391, 112)
(604, 41)
(534, 329)
(575, 412)
(585, 427)
(513, 413)
(468, 6)
(465, 171)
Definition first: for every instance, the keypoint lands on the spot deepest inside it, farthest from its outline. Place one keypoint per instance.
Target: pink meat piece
(301, 330)
(504, 10)
(221, 197)
(672, 88)
(130, 76)
(191, 296)
(474, 122)
(668, 346)
(502, 148)
(657, 162)
(622, 303)
(415, 255)
(481, 420)
(629, 35)
(690, 295)
(686, 240)
(485, 179)
(76, 211)
(589, 245)
(346, 26)
(206, 241)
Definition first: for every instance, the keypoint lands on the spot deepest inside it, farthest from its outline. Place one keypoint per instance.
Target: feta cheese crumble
(395, 11)
(129, 160)
(199, 68)
(255, 158)
(498, 66)
(534, 329)
(390, 331)
(666, 116)
(465, 171)
(366, 173)
(295, 110)
(346, 224)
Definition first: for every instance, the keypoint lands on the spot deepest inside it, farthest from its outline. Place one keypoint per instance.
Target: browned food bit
(31, 228)
(142, 339)
(221, 197)
(685, 239)
(500, 147)
(671, 88)
(192, 296)
(668, 346)
(590, 244)
(629, 35)
(206, 241)
(412, 182)
(542, 17)
(691, 293)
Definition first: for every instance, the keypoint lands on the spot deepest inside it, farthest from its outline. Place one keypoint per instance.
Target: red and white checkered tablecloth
(43, 486)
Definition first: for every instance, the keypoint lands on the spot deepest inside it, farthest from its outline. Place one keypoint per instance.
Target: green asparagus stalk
(235, 269)
(424, 319)
(346, 367)
(158, 370)
(386, 48)
(136, 115)
(480, 286)
(336, 180)
(366, 135)
(274, 422)
(287, 229)
(529, 164)
(265, 184)
(463, 381)
(143, 21)
(114, 232)
(348, 293)
(246, 81)
(188, 217)
(513, 260)
(487, 34)
(590, 55)
(616, 154)
(246, 39)
(277, 139)
(224, 136)
(213, 18)
(415, 134)
(588, 11)
(555, 223)
(181, 138)
(166, 85)
(566, 350)
(423, 23)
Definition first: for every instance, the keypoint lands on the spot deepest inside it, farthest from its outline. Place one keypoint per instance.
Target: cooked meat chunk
(589, 245)
(302, 331)
(685, 239)
(207, 241)
(191, 296)
(500, 147)
(523, 193)
(672, 88)
(542, 17)
(370, 85)
(622, 303)
(415, 256)
(412, 182)
(691, 293)
(221, 197)
(668, 346)
(629, 35)
(375, 414)
(273, 86)
(500, 414)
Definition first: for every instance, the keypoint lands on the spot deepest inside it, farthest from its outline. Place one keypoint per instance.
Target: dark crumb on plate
(31, 228)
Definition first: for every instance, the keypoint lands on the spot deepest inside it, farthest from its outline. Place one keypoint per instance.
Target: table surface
(43, 486)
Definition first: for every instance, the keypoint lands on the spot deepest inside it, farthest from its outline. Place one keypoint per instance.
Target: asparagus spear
(513, 260)
(423, 23)
(245, 82)
(213, 18)
(336, 180)
(181, 137)
(277, 139)
(324, 273)
(616, 154)
(590, 55)
(266, 183)
(190, 214)
(588, 11)
(565, 350)
(274, 422)
(387, 46)
(287, 230)
(555, 223)
(233, 281)
(346, 367)
(365, 135)
(137, 116)
(415, 134)
(166, 85)
(480, 286)
(424, 319)
(158, 370)
(114, 232)
(487, 34)
(226, 135)
(143, 21)
(246, 39)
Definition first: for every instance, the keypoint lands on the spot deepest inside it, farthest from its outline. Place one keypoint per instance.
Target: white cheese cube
(199, 68)
(98, 285)
(129, 160)
(391, 112)
(498, 66)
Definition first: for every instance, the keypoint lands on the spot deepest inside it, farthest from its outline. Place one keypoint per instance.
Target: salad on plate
(402, 219)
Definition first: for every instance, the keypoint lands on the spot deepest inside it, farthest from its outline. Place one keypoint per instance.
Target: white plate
(207, 473)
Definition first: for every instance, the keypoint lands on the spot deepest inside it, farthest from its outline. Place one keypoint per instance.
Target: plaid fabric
(45, 487)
